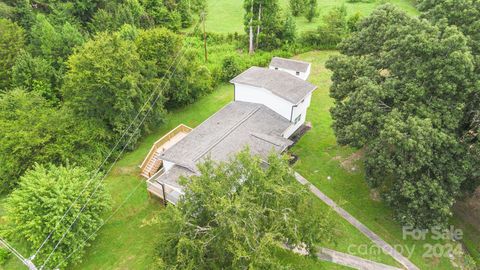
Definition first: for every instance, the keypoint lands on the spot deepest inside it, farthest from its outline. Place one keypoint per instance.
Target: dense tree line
(74, 77)
(406, 90)
(71, 89)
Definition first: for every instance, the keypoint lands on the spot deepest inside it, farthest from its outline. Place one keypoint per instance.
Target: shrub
(37, 206)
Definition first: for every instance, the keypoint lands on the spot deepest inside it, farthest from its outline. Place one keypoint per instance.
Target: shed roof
(237, 125)
(289, 64)
(281, 83)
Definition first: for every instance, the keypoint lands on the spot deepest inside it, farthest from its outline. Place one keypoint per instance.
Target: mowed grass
(226, 16)
(320, 157)
(129, 239)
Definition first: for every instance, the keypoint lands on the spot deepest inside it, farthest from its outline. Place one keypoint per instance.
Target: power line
(101, 225)
(118, 156)
(28, 263)
(113, 149)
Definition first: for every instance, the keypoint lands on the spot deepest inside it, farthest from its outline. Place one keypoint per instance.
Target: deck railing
(162, 141)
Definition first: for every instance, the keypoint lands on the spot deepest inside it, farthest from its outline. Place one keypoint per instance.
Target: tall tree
(297, 7)
(37, 206)
(28, 136)
(104, 82)
(401, 87)
(11, 42)
(262, 23)
(311, 10)
(464, 14)
(235, 215)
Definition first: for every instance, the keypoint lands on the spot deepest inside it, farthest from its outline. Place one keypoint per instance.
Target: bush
(4, 256)
(231, 67)
(37, 206)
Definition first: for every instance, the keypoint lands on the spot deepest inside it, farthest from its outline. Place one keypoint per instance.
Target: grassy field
(226, 16)
(129, 238)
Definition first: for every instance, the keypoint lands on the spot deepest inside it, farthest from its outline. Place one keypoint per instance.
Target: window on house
(298, 73)
(276, 68)
(298, 119)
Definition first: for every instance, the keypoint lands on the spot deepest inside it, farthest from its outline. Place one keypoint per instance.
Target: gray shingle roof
(281, 83)
(237, 125)
(289, 64)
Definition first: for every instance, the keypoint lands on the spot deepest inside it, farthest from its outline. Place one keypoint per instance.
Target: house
(298, 68)
(269, 106)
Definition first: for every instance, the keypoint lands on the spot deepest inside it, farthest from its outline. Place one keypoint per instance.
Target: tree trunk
(251, 50)
(259, 23)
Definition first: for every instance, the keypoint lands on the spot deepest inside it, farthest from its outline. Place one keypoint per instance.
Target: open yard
(128, 240)
(226, 16)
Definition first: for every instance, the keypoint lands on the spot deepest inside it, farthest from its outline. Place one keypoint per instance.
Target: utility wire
(28, 263)
(123, 149)
(97, 171)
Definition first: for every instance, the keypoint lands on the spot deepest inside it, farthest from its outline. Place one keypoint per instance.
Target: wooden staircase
(153, 163)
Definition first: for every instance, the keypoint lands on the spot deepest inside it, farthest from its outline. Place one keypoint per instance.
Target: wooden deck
(152, 162)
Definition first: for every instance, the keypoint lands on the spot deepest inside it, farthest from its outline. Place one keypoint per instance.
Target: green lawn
(128, 240)
(226, 16)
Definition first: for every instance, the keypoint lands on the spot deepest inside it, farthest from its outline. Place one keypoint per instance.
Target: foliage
(34, 74)
(37, 206)
(464, 14)
(12, 41)
(4, 255)
(404, 99)
(231, 67)
(311, 10)
(264, 18)
(297, 7)
(183, 82)
(235, 214)
(331, 32)
(352, 22)
(28, 136)
(289, 32)
(104, 82)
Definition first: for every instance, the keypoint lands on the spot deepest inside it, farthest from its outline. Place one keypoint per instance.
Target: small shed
(298, 68)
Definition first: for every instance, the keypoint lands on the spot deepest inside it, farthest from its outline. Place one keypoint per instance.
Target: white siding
(253, 94)
(302, 75)
(286, 109)
(299, 110)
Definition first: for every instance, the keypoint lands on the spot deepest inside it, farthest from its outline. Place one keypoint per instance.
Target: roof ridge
(265, 137)
(197, 157)
(293, 60)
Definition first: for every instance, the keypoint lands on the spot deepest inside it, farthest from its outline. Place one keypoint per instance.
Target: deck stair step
(153, 162)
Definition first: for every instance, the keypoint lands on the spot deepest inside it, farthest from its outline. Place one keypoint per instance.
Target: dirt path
(387, 248)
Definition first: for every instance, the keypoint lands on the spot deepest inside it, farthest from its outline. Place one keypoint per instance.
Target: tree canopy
(35, 209)
(12, 41)
(33, 131)
(236, 214)
(104, 82)
(401, 89)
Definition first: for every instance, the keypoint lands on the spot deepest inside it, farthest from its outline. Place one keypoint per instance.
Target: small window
(276, 68)
(298, 73)
(298, 119)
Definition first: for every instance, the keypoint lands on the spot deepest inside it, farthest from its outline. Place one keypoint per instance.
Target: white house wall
(302, 75)
(299, 110)
(253, 94)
